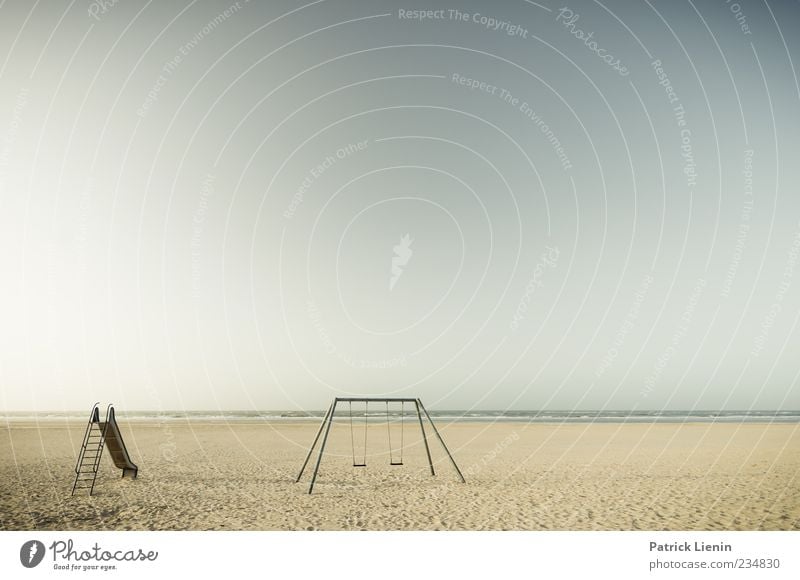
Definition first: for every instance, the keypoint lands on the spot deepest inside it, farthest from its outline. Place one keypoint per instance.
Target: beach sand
(240, 476)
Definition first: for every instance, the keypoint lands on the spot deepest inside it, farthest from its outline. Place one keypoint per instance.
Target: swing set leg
(314, 444)
(417, 403)
(322, 446)
(436, 431)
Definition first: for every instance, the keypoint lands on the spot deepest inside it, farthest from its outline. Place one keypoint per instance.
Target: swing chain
(352, 437)
(402, 433)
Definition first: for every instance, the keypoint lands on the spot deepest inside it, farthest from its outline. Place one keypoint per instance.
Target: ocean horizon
(483, 416)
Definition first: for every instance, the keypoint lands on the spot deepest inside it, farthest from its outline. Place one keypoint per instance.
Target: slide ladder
(91, 452)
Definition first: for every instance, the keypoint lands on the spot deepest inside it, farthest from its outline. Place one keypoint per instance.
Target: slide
(116, 447)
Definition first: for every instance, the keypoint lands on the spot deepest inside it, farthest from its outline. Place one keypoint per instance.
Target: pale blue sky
(203, 204)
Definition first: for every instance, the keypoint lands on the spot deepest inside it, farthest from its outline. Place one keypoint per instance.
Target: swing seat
(359, 465)
(395, 463)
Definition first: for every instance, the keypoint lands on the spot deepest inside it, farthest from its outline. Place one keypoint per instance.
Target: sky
(517, 205)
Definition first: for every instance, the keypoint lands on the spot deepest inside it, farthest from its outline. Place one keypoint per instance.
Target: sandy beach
(240, 476)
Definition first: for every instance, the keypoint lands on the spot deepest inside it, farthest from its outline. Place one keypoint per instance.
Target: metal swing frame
(327, 423)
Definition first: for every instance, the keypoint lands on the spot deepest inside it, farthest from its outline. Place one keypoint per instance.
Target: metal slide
(116, 446)
(101, 435)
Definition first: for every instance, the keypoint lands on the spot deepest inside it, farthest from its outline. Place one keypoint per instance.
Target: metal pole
(322, 446)
(314, 444)
(424, 437)
(436, 431)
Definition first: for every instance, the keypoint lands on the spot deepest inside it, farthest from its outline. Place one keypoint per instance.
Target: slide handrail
(109, 414)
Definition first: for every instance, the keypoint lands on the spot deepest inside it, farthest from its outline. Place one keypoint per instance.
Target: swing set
(361, 461)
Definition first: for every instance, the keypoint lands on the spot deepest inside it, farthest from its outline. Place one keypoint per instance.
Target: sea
(394, 414)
